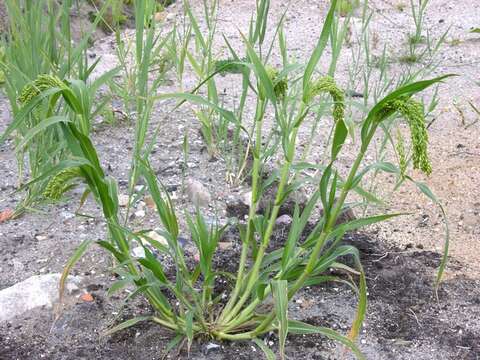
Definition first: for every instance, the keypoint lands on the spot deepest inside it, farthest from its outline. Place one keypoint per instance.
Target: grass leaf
(266, 350)
(280, 294)
(298, 327)
(317, 53)
(126, 324)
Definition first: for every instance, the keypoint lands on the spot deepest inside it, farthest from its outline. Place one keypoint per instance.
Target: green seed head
(61, 183)
(39, 85)
(327, 84)
(280, 86)
(413, 112)
(402, 157)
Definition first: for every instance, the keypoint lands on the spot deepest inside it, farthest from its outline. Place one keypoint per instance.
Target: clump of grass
(347, 7)
(401, 6)
(39, 54)
(455, 42)
(415, 40)
(409, 59)
(418, 14)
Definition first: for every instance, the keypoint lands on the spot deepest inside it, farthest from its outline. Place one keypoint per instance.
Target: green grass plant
(39, 54)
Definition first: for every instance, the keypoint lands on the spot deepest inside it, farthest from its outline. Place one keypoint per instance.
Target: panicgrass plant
(187, 303)
(39, 55)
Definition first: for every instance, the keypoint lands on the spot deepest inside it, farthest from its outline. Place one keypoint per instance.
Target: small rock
(67, 215)
(345, 216)
(149, 202)
(225, 245)
(157, 237)
(183, 241)
(41, 237)
(87, 297)
(5, 215)
(123, 200)
(283, 220)
(17, 265)
(237, 207)
(140, 214)
(297, 197)
(197, 193)
(36, 291)
(211, 346)
(139, 188)
(423, 222)
(196, 257)
(138, 252)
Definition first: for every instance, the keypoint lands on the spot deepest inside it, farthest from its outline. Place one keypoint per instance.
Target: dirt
(404, 321)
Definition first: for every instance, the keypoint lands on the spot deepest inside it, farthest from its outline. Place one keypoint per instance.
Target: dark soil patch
(404, 321)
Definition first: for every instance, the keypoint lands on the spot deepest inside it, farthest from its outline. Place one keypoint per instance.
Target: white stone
(198, 193)
(157, 237)
(36, 291)
(138, 252)
(140, 213)
(123, 200)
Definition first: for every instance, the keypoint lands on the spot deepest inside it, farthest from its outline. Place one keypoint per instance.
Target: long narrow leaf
(298, 327)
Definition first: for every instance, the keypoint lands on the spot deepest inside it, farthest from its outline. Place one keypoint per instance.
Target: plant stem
(260, 112)
(323, 236)
(285, 172)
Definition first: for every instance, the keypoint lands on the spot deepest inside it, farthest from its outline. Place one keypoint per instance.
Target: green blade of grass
(298, 327)
(280, 294)
(260, 71)
(266, 350)
(443, 263)
(126, 324)
(317, 53)
(77, 255)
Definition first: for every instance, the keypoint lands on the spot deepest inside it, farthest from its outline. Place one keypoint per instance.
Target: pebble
(283, 220)
(157, 237)
(140, 214)
(198, 193)
(160, 16)
(67, 215)
(123, 200)
(138, 252)
(225, 245)
(17, 265)
(211, 346)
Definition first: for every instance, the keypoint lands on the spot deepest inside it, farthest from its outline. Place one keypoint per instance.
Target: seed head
(39, 85)
(61, 183)
(402, 157)
(280, 86)
(413, 112)
(327, 84)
